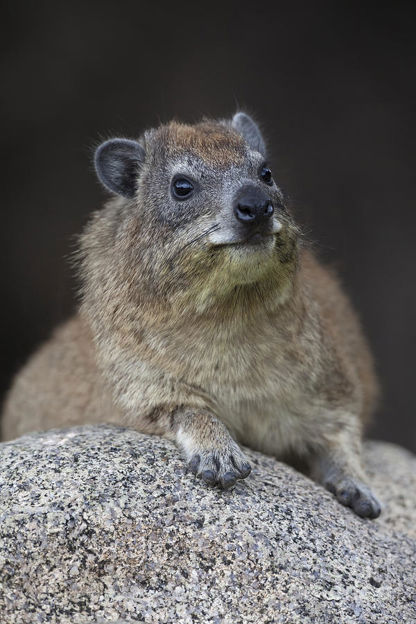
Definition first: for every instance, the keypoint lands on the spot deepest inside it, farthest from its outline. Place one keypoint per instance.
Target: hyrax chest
(250, 379)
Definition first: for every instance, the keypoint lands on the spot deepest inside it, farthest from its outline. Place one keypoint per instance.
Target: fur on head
(198, 220)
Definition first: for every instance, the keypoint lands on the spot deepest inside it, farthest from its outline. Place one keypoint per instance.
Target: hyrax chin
(204, 320)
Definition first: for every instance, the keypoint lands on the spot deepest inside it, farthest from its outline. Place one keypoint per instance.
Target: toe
(242, 467)
(346, 495)
(367, 506)
(228, 480)
(193, 463)
(209, 477)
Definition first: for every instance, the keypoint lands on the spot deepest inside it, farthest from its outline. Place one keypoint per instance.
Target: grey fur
(191, 330)
(248, 128)
(117, 162)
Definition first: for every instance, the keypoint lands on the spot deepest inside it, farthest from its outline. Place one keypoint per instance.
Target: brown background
(333, 85)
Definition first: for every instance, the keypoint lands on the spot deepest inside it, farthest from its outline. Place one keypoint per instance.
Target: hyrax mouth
(235, 236)
(257, 238)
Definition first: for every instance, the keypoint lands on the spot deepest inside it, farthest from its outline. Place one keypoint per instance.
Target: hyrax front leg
(211, 452)
(337, 465)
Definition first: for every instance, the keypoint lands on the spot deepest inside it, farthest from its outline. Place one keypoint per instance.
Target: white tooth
(277, 226)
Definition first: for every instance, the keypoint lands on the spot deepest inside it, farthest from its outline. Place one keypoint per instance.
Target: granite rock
(102, 524)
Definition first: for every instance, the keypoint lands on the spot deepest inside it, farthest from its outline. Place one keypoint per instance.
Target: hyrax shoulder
(204, 318)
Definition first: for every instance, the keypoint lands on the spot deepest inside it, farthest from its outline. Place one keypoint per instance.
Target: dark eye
(266, 175)
(182, 188)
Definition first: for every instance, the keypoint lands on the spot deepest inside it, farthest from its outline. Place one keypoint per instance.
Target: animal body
(205, 319)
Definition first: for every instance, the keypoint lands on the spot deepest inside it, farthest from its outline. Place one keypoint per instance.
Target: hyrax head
(208, 215)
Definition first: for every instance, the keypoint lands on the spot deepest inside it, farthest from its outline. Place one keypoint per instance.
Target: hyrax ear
(117, 163)
(248, 128)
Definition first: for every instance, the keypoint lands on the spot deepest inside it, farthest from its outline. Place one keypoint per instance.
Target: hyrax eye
(266, 175)
(182, 188)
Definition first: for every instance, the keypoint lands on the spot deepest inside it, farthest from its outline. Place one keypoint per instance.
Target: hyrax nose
(253, 208)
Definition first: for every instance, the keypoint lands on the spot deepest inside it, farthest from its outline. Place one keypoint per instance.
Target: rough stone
(102, 524)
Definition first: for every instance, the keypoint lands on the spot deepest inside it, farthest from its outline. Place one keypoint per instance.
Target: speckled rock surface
(101, 524)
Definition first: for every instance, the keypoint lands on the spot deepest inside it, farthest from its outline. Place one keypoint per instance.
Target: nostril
(269, 210)
(244, 213)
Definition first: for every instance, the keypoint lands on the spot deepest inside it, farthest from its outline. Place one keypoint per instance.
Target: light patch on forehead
(214, 144)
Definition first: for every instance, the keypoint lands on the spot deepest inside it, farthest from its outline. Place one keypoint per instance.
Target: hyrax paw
(218, 468)
(356, 495)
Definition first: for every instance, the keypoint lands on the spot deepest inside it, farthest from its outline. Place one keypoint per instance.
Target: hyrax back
(203, 318)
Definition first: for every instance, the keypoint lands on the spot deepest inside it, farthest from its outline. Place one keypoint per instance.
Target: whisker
(212, 228)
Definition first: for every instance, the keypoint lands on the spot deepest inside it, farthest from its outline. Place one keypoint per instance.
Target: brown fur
(193, 341)
(206, 141)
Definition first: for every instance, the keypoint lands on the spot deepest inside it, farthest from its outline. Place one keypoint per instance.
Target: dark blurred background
(333, 85)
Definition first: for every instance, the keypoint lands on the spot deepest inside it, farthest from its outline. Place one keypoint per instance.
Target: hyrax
(205, 320)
